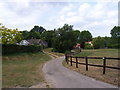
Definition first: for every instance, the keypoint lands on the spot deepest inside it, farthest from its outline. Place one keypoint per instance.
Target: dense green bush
(12, 48)
(98, 42)
(65, 39)
(114, 46)
(88, 46)
(67, 52)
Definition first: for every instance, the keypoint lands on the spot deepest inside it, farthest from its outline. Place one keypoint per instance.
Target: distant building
(23, 42)
(77, 47)
(89, 43)
(34, 42)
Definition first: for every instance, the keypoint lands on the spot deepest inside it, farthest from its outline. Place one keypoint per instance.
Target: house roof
(77, 45)
(35, 41)
(88, 42)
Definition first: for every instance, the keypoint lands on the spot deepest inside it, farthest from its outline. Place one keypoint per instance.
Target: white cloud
(21, 15)
(84, 8)
(98, 17)
(66, 9)
(69, 14)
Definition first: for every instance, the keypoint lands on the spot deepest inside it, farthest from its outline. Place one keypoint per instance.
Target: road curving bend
(57, 76)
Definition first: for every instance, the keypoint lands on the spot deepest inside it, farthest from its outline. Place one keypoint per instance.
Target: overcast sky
(97, 16)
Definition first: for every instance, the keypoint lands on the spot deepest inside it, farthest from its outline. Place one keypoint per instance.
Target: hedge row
(11, 48)
(117, 46)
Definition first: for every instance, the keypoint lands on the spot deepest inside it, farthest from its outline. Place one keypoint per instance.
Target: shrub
(54, 50)
(67, 52)
(114, 46)
(88, 46)
(98, 42)
(12, 48)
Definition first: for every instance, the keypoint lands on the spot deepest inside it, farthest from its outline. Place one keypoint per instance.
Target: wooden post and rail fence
(69, 58)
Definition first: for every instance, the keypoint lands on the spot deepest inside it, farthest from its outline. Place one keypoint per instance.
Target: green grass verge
(111, 76)
(23, 69)
(99, 52)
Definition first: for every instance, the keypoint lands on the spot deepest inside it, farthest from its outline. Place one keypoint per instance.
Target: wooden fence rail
(87, 64)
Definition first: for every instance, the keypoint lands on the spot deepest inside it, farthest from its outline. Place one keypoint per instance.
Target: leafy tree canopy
(39, 29)
(10, 36)
(25, 34)
(115, 35)
(115, 32)
(48, 36)
(85, 36)
(98, 42)
(65, 39)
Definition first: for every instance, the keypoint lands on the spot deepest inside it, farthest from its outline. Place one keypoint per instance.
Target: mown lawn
(111, 76)
(23, 70)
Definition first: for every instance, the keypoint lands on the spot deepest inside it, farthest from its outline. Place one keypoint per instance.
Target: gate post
(86, 59)
(71, 60)
(104, 64)
(76, 62)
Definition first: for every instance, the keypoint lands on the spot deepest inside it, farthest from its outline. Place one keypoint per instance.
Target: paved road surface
(60, 77)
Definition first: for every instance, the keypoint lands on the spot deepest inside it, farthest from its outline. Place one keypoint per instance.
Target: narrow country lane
(58, 76)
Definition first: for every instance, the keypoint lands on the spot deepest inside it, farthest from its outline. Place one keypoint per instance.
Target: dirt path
(57, 76)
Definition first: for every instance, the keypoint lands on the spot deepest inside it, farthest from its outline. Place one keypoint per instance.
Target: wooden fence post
(104, 64)
(86, 59)
(76, 62)
(66, 57)
(71, 60)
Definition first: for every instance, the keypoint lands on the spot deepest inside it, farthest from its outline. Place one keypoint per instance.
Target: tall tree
(77, 35)
(10, 36)
(25, 34)
(48, 36)
(65, 39)
(115, 34)
(33, 34)
(39, 29)
(98, 42)
(85, 36)
(107, 41)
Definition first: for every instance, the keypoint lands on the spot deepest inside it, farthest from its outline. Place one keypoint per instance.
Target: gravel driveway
(57, 76)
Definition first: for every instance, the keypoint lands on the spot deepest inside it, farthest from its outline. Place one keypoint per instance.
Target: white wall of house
(24, 42)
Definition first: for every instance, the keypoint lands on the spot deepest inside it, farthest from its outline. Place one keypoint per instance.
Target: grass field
(23, 70)
(111, 76)
(99, 53)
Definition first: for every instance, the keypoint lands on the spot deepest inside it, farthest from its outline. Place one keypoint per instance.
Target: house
(89, 43)
(23, 42)
(77, 47)
(34, 42)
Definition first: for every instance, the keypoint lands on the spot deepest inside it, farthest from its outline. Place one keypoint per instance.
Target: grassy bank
(111, 76)
(54, 54)
(23, 69)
